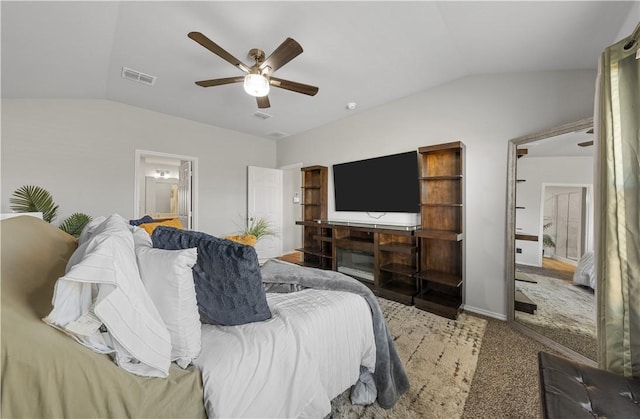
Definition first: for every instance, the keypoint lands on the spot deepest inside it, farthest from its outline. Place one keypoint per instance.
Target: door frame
(294, 208)
(138, 173)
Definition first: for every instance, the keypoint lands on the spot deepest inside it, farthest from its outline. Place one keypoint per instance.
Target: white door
(184, 195)
(264, 199)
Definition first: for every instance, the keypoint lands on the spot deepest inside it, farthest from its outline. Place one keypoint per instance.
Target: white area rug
(440, 357)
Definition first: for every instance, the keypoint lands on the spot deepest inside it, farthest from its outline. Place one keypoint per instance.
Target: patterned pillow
(145, 219)
(227, 276)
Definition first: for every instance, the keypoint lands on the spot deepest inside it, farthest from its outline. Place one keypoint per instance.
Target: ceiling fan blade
(286, 51)
(293, 86)
(218, 50)
(263, 102)
(585, 144)
(219, 82)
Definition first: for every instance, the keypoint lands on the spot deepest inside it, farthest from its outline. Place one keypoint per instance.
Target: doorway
(565, 222)
(264, 201)
(166, 187)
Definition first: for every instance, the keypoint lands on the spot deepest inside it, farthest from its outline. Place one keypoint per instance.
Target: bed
(585, 271)
(289, 365)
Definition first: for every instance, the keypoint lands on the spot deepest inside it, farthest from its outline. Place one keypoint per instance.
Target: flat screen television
(380, 184)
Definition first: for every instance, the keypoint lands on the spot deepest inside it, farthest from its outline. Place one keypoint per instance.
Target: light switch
(296, 198)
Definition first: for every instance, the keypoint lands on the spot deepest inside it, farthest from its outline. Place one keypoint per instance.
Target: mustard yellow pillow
(149, 227)
(248, 239)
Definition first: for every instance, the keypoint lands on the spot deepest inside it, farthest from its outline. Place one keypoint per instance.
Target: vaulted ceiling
(370, 53)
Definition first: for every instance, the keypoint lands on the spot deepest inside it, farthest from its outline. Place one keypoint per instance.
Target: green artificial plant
(75, 223)
(259, 227)
(30, 198)
(547, 240)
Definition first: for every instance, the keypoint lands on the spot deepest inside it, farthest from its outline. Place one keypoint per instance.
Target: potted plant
(256, 229)
(547, 240)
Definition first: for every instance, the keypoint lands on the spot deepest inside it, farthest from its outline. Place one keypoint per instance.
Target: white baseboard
(487, 313)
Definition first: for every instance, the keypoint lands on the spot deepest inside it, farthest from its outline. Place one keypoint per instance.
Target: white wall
(83, 152)
(538, 171)
(484, 112)
(630, 23)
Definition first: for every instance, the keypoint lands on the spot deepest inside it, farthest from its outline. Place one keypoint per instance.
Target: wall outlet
(518, 250)
(296, 198)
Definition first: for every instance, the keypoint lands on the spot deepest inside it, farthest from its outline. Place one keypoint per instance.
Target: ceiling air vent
(134, 75)
(261, 115)
(277, 135)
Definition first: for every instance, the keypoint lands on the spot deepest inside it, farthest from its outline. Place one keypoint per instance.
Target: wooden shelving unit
(384, 258)
(398, 262)
(441, 276)
(422, 266)
(317, 244)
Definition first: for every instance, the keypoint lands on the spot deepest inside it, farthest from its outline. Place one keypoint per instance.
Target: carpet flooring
(504, 384)
(566, 313)
(440, 357)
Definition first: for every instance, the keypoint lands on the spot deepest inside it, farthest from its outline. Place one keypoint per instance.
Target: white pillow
(89, 229)
(168, 278)
(140, 237)
(102, 285)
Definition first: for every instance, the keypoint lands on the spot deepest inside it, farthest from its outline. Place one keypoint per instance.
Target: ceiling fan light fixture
(256, 85)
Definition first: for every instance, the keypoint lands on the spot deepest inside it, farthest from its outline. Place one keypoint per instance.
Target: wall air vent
(134, 75)
(277, 135)
(261, 115)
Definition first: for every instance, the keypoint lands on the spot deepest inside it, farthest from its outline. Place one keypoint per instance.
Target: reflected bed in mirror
(549, 234)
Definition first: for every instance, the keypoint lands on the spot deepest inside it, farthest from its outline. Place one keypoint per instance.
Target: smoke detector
(277, 135)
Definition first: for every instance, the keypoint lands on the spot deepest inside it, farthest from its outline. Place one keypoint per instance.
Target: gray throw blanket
(390, 378)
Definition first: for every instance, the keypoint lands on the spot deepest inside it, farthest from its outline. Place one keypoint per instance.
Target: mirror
(550, 230)
(161, 197)
(166, 187)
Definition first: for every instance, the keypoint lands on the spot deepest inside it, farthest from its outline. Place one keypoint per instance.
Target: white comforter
(291, 365)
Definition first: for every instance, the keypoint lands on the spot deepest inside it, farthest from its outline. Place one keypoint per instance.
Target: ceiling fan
(259, 75)
(587, 143)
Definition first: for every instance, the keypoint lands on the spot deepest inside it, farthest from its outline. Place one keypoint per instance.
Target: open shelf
(311, 250)
(441, 276)
(441, 304)
(441, 234)
(527, 237)
(399, 247)
(399, 269)
(323, 238)
(398, 291)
